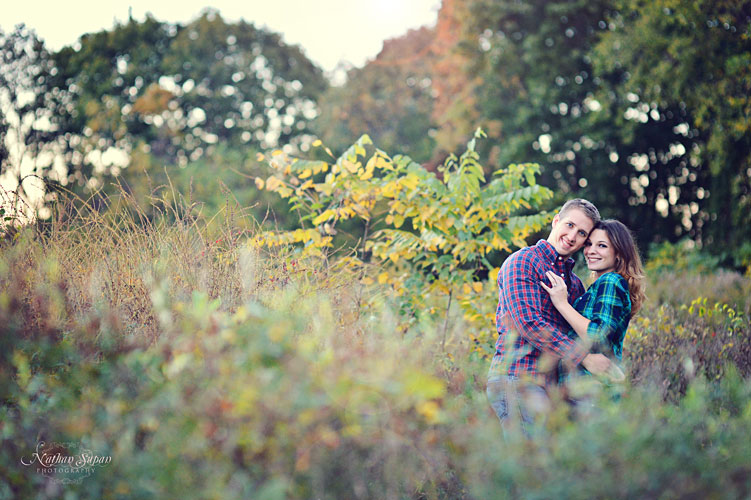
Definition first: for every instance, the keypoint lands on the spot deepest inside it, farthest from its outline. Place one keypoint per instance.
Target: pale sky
(328, 30)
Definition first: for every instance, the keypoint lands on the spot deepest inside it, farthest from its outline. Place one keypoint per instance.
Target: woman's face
(599, 252)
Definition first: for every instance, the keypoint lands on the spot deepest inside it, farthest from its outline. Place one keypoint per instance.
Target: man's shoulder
(529, 253)
(577, 281)
(523, 259)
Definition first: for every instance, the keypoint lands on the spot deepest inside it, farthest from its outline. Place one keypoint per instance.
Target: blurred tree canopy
(149, 94)
(413, 97)
(552, 106)
(693, 58)
(31, 110)
(177, 91)
(390, 99)
(640, 106)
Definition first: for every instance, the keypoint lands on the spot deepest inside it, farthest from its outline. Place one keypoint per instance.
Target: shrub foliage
(212, 359)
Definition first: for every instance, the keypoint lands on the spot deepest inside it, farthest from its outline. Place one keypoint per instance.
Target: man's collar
(550, 254)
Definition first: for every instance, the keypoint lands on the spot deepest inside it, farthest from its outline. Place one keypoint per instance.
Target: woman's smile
(599, 252)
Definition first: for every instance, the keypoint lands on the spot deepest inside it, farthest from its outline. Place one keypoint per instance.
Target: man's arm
(521, 294)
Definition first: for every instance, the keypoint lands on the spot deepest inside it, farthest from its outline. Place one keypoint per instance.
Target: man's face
(570, 232)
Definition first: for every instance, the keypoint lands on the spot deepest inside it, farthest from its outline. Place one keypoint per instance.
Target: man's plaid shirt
(607, 306)
(526, 314)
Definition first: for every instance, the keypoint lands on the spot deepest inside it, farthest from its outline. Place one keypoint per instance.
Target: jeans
(518, 405)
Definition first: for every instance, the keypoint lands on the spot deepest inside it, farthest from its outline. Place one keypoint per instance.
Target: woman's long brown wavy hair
(627, 260)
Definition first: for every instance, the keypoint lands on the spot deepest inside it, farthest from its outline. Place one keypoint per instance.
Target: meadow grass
(207, 368)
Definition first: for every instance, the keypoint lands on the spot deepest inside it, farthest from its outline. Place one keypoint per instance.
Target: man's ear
(556, 219)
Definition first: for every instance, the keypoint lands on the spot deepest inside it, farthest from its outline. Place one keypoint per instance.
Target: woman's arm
(559, 297)
(582, 326)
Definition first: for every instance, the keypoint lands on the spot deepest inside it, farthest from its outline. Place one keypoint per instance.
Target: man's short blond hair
(581, 204)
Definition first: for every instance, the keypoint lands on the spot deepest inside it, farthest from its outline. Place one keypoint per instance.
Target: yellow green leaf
(350, 166)
(424, 385)
(410, 181)
(366, 175)
(273, 183)
(326, 215)
(383, 163)
(430, 411)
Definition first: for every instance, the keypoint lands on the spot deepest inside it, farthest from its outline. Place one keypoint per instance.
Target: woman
(602, 314)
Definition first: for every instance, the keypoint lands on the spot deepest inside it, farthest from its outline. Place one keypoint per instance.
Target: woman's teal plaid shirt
(607, 306)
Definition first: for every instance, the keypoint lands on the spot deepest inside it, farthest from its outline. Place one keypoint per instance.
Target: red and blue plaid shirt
(527, 322)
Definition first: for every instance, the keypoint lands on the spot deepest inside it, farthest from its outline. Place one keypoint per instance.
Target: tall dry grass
(209, 369)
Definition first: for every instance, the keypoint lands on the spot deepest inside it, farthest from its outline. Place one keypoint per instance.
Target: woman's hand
(557, 289)
(559, 296)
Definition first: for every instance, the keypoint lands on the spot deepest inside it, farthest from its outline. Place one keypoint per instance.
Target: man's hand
(596, 364)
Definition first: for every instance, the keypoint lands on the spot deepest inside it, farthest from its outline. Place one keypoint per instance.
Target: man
(530, 329)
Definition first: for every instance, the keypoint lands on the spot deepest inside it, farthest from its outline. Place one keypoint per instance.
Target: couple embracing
(548, 324)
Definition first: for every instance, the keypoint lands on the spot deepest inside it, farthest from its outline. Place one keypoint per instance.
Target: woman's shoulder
(612, 279)
(612, 287)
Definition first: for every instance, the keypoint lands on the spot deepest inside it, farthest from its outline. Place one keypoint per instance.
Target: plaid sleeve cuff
(565, 347)
(575, 352)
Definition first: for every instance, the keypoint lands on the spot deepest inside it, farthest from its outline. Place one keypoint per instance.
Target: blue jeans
(518, 405)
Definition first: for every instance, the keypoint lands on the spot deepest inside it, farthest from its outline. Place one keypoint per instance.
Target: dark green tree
(107, 73)
(241, 85)
(693, 59)
(549, 104)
